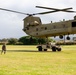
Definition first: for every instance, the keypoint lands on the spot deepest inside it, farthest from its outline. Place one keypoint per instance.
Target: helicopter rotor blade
(13, 11)
(26, 13)
(54, 8)
(46, 8)
(66, 9)
(70, 11)
(53, 12)
(45, 12)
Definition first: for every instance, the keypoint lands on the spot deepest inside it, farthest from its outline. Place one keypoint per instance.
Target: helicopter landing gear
(61, 36)
(68, 38)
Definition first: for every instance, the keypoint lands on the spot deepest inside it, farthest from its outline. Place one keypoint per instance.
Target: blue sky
(11, 24)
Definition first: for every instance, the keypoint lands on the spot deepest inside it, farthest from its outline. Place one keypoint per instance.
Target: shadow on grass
(22, 51)
(26, 51)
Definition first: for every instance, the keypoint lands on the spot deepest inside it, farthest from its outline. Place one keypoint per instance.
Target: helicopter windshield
(32, 21)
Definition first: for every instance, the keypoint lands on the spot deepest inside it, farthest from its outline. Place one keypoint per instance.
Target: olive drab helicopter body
(34, 27)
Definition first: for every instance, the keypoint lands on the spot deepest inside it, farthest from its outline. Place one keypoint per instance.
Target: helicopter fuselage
(34, 27)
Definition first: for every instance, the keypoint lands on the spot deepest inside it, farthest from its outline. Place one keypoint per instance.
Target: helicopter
(34, 27)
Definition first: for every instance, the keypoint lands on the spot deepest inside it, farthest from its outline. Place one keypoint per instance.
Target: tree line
(25, 40)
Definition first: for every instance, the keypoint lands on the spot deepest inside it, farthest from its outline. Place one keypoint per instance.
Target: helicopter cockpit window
(73, 24)
(36, 23)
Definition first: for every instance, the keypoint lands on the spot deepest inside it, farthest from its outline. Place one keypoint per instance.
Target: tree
(23, 40)
(12, 41)
(27, 40)
(42, 40)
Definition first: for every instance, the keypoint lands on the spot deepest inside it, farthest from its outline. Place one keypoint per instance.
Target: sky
(11, 24)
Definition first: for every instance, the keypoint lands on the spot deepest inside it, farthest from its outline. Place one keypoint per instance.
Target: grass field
(26, 60)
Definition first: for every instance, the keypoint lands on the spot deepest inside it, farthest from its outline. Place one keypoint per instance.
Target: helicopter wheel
(61, 36)
(68, 38)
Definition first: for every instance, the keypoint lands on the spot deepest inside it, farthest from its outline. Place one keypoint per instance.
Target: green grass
(26, 60)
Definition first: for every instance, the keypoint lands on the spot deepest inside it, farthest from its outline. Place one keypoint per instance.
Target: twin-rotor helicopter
(34, 27)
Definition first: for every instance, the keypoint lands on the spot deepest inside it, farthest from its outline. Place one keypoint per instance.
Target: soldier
(3, 48)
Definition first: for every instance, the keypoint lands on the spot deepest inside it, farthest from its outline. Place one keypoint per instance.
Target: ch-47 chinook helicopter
(34, 27)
